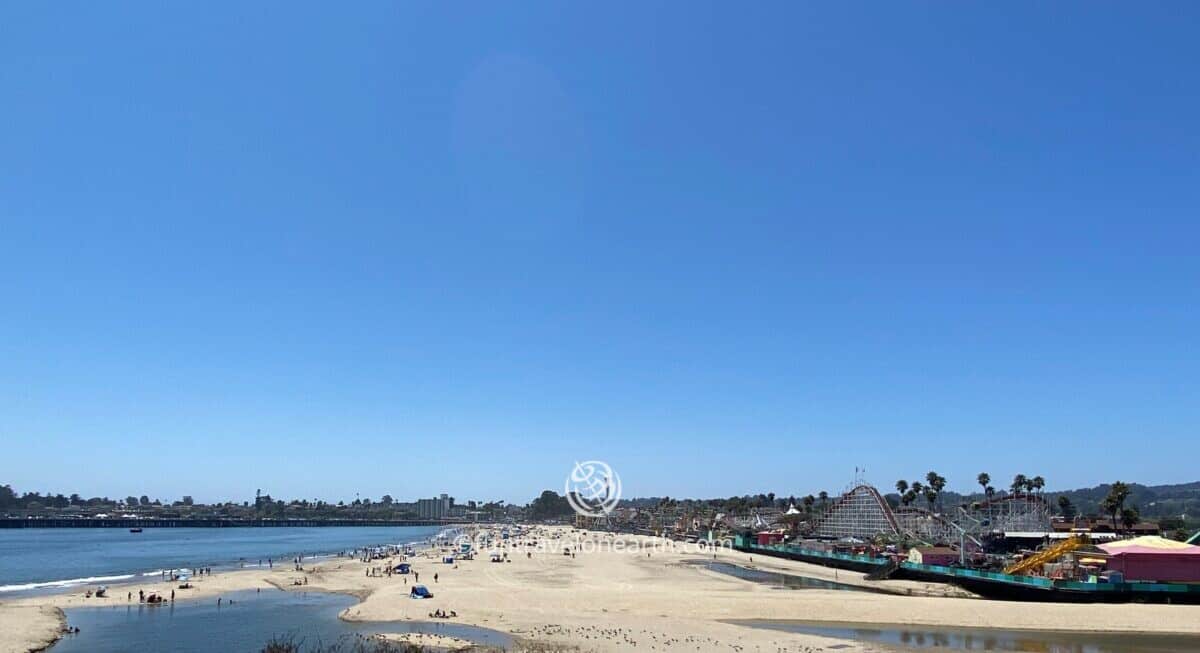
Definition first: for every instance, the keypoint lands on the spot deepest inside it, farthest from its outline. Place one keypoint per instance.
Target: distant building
(933, 555)
(1102, 525)
(435, 508)
(767, 538)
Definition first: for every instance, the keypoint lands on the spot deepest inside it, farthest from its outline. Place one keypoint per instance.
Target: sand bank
(29, 627)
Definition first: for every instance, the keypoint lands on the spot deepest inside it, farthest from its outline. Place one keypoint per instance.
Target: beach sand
(29, 627)
(610, 600)
(440, 642)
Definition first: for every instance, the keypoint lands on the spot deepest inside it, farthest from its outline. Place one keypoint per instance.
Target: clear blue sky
(413, 248)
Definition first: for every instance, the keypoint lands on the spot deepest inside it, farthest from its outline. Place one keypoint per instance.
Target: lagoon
(245, 621)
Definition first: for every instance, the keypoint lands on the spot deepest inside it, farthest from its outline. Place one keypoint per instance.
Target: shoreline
(120, 577)
(601, 600)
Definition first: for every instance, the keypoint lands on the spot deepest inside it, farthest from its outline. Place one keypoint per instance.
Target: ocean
(54, 559)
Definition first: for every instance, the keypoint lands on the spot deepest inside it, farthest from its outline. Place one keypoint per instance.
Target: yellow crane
(1048, 554)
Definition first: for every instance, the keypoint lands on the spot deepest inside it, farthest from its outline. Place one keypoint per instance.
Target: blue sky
(413, 248)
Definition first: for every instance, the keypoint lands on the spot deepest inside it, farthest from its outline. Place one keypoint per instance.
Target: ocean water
(245, 625)
(50, 559)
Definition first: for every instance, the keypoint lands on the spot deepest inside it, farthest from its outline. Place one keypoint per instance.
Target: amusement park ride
(863, 513)
(1049, 554)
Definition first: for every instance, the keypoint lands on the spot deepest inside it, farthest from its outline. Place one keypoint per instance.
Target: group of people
(152, 597)
(176, 574)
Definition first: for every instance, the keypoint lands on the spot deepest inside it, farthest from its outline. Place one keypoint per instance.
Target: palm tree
(1037, 483)
(808, 503)
(1114, 503)
(934, 484)
(989, 491)
(983, 479)
(901, 486)
(1019, 483)
(824, 496)
(917, 490)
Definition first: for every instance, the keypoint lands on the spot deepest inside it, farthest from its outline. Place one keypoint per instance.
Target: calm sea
(49, 559)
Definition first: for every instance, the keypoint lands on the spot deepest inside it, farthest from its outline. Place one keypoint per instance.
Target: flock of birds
(650, 640)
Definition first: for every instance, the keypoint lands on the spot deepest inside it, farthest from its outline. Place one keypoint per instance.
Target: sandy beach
(605, 598)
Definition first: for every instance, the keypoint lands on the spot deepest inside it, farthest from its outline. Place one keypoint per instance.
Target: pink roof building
(1153, 558)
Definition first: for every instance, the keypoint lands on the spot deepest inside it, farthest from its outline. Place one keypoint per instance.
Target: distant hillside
(1154, 501)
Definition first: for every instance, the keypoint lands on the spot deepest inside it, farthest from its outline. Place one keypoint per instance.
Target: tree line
(1112, 505)
(263, 506)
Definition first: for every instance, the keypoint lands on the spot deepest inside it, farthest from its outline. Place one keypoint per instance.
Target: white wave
(64, 583)
(160, 572)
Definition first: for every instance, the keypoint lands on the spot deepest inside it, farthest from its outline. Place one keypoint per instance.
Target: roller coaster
(863, 513)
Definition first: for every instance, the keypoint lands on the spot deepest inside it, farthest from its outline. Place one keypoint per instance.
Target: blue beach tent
(420, 592)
